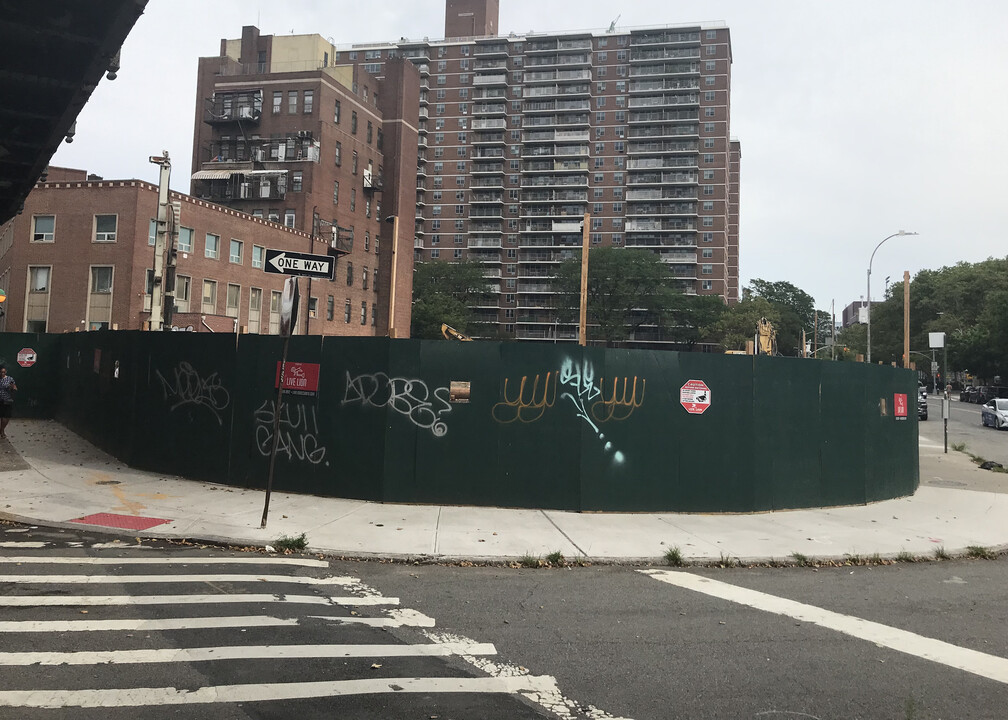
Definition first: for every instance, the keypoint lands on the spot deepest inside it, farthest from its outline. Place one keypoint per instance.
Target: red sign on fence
(695, 397)
(900, 406)
(299, 378)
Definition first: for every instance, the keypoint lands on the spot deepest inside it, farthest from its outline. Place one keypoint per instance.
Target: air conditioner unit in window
(258, 154)
(244, 190)
(245, 112)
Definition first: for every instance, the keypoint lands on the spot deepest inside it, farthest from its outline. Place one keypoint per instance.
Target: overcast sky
(857, 119)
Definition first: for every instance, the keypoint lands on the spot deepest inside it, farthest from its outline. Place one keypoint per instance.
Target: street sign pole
(288, 319)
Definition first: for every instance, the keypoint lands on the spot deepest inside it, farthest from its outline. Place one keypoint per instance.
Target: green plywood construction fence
(480, 423)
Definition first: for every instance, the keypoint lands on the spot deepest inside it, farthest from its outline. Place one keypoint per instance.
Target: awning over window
(213, 174)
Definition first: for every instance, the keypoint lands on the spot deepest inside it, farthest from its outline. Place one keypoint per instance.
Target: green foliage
(694, 318)
(674, 557)
(795, 311)
(626, 289)
(286, 543)
(444, 292)
(968, 302)
(738, 325)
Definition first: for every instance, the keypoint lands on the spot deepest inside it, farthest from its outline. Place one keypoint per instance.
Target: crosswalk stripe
(262, 692)
(127, 579)
(174, 560)
(238, 652)
(89, 600)
(971, 661)
(23, 544)
(395, 618)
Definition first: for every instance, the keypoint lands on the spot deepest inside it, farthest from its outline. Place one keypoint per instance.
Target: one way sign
(286, 262)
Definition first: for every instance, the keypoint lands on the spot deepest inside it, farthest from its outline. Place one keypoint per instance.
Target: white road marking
(262, 692)
(395, 618)
(17, 530)
(971, 661)
(94, 600)
(120, 546)
(128, 579)
(174, 560)
(250, 652)
(23, 544)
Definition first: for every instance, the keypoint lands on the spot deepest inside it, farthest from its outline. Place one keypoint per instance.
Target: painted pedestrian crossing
(172, 610)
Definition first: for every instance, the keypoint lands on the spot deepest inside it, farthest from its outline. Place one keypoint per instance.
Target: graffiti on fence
(527, 406)
(189, 388)
(297, 437)
(580, 379)
(618, 408)
(410, 398)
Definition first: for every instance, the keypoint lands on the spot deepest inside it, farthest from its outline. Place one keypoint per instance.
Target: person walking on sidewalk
(7, 389)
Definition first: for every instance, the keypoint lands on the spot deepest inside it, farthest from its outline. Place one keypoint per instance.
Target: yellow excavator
(766, 338)
(451, 333)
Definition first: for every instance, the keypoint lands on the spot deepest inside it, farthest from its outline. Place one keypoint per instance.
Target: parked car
(973, 395)
(989, 392)
(964, 394)
(922, 406)
(994, 413)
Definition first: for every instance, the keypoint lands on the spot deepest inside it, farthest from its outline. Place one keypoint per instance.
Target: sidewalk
(52, 477)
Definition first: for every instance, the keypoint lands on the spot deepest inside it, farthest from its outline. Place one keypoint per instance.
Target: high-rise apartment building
(519, 136)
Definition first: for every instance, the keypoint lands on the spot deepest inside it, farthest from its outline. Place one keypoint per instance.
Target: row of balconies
(556, 120)
(649, 101)
(653, 147)
(557, 90)
(682, 240)
(555, 105)
(555, 135)
(481, 80)
(554, 195)
(652, 116)
(659, 163)
(558, 150)
(662, 178)
(489, 109)
(641, 55)
(664, 69)
(654, 225)
(654, 131)
(637, 86)
(558, 60)
(647, 209)
(550, 181)
(661, 194)
(552, 44)
(485, 138)
(663, 37)
(489, 124)
(536, 76)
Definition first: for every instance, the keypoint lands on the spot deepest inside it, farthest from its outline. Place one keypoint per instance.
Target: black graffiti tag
(191, 389)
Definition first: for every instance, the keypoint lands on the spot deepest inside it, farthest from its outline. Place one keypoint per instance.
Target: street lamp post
(895, 234)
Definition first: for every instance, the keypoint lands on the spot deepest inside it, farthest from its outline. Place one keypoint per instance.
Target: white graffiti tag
(410, 398)
(190, 389)
(297, 437)
(581, 381)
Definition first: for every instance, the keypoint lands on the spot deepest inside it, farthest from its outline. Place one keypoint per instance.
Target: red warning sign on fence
(695, 397)
(900, 405)
(299, 378)
(27, 357)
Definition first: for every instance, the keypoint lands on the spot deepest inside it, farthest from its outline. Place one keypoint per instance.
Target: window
(708, 205)
(101, 279)
(374, 278)
(346, 311)
(711, 50)
(709, 96)
(709, 143)
(289, 218)
(38, 279)
(363, 313)
(364, 278)
(708, 237)
(708, 252)
(313, 307)
(292, 102)
(212, 250)
(353, 167)
(374, 314)
(336, 111)
(711, 34)
(708, 222)
(353, 122)
(706, 284)
(708, 189)
(708, 112)
(708, 127)
(706, 269)
(309, 101)
(43, 228)
(105, 228)
(183, 291)
(298, 179)
(339, 153)
(335, 192)
(185, 240)
(233, 299)
(210, 296)
(330, 310)
(435, 253)
(349, 273)
(277, 101)
(709, 80)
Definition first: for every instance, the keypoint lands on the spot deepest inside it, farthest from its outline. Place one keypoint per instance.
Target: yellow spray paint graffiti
(524, 407)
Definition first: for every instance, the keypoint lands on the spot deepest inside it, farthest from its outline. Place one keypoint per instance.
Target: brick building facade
(80, 256)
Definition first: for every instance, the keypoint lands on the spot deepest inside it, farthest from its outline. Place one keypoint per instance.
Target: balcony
(664, 69)
(642, 55)
(245, 108)
(652, 101)
(661, 163)
(487, 138)
(484, 243)
(484, 197)
(556, 120)
(660, 240)
(484, 80)
(655, 148)
(488, 109)
(484, 64)
(551, 181)
(664, 37)
(659, 225)
(489, 124)
(538, 76)
(567, 59)
(482, 168)
(554, 90)
(661, 194)
(660, 85)
(497, 49)
(487, 182)
(662, 131)
(668, 178)
(650, 210)
(554, 44)
(673, 257)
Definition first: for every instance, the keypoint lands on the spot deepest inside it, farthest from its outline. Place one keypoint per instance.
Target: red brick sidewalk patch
(126, 522)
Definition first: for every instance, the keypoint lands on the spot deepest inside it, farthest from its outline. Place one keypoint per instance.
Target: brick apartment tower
(517, 138)
(284, 133)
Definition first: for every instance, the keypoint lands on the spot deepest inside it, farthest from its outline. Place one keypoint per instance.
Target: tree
(443, 292)
(795, 312)
(737, 326)
(626, 289)
(694, 318)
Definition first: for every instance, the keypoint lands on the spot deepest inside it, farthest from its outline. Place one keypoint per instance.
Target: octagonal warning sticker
(695, 396)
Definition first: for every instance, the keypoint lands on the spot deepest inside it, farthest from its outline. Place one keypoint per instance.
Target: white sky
(856, 119)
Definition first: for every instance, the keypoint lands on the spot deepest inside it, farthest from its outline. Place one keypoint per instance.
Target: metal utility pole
(157, 300)
(394, 219)
(906, 319)
(583, 323)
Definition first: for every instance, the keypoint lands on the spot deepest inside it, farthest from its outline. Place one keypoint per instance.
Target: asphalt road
(964, 427)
